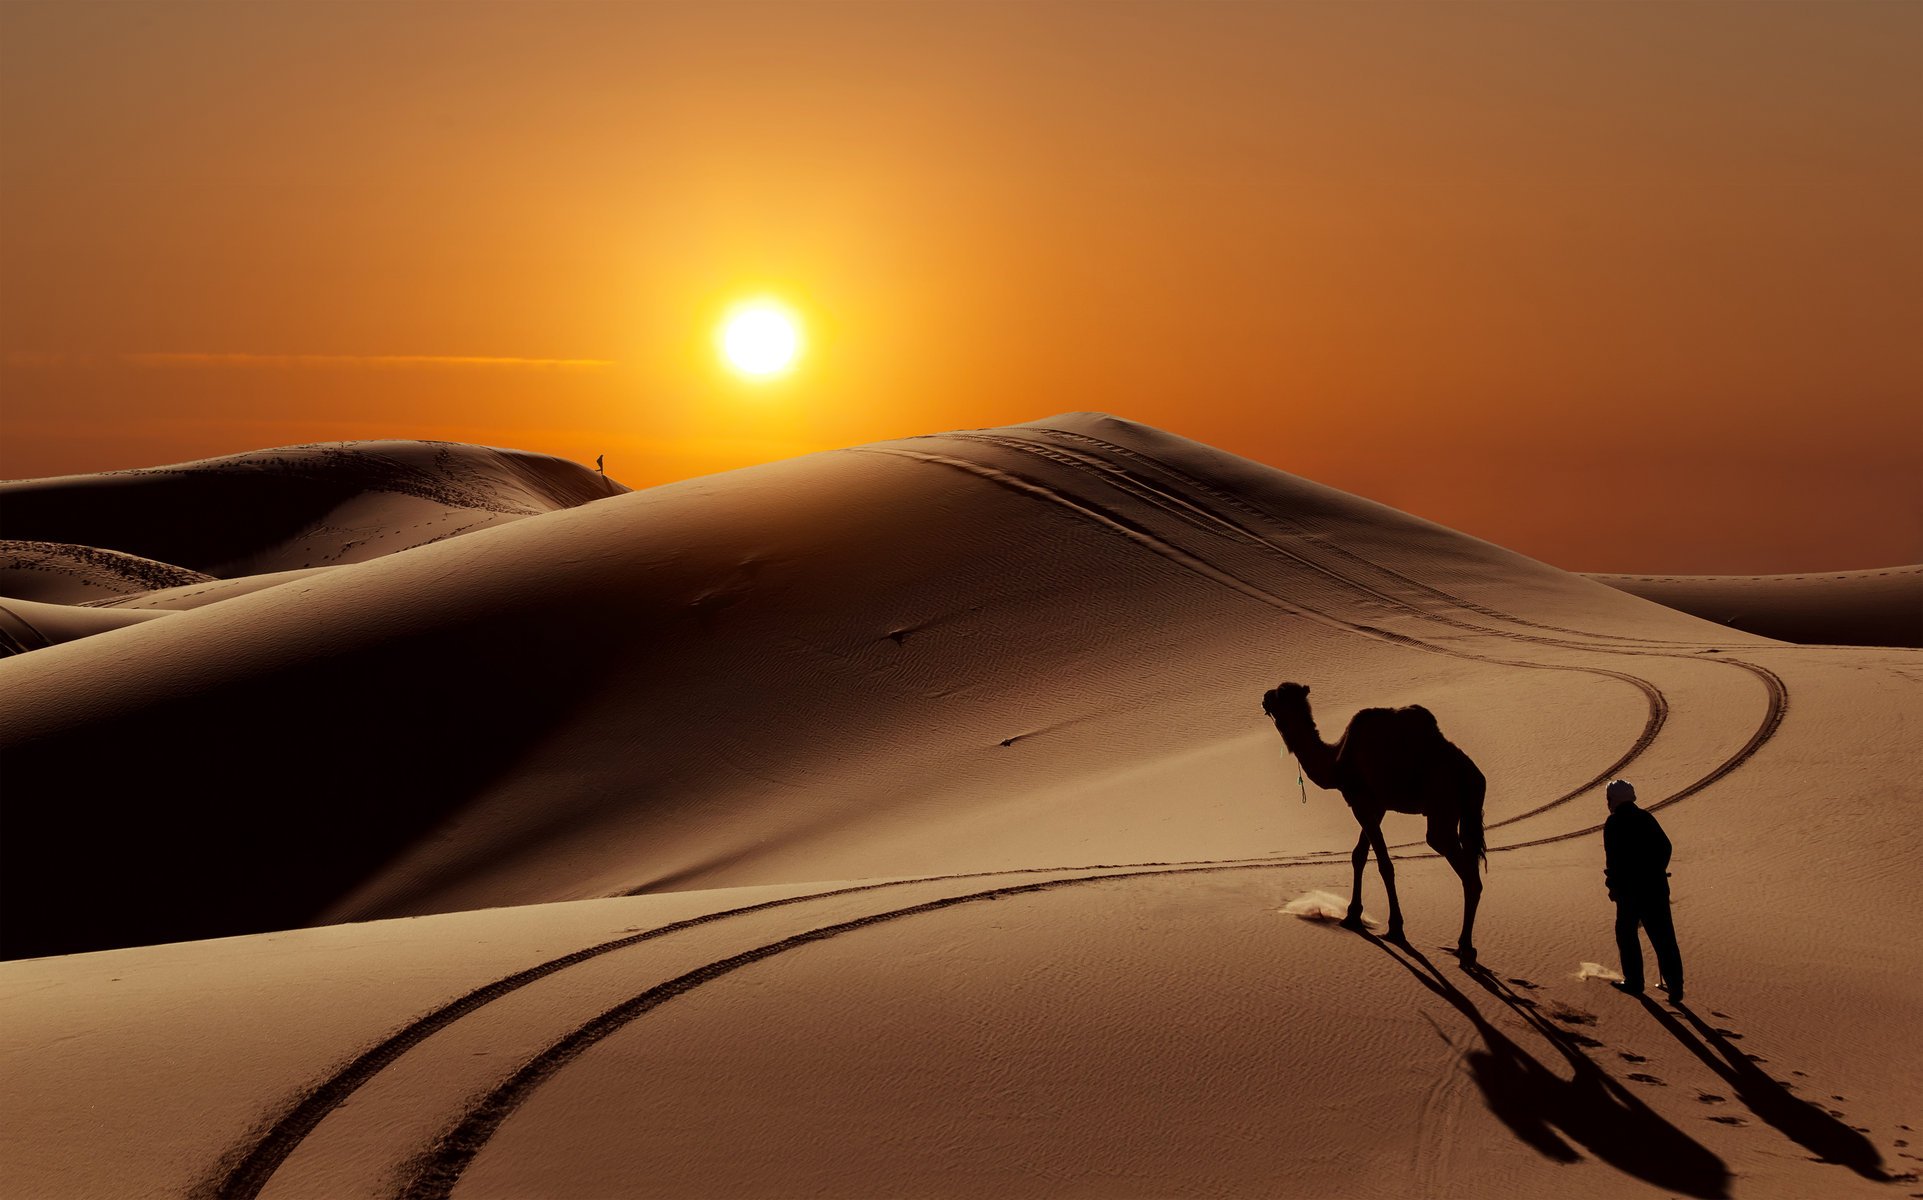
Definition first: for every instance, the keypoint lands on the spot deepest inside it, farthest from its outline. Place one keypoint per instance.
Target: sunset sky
(1624, 287)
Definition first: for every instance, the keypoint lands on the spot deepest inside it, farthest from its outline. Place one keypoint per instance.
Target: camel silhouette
(1393, 760)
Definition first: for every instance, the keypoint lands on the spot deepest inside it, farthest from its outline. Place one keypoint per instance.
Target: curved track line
(1778, 692)
(1776, 707)
(1186, 510)
(1261, 513)
(242, 1174)
(439, 1168)
(1183, 508)
(1136, 534)
(1117, 523)
(246, 1177)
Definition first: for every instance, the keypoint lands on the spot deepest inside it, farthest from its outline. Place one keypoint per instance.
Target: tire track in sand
(244, 1172)
(433, 1173)
(1262, 514)
(1776, 707)
(1122, 525)
(1185, 508)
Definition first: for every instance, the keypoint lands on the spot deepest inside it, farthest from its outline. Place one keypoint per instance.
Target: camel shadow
(1809, 1126)
(1548, 1113)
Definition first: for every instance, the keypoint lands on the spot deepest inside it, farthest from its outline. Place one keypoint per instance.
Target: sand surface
(901, 821)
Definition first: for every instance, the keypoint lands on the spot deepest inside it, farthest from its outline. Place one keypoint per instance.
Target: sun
(760, 338)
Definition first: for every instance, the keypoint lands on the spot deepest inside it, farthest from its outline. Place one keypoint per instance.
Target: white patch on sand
(1324, 906)
(1591, 970)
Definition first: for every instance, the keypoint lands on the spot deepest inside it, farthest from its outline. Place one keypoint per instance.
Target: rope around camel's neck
(1302, 725)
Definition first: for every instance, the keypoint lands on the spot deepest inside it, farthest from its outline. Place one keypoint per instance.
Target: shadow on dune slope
(1547, 1112)
(204, 829)
(1825, 1137)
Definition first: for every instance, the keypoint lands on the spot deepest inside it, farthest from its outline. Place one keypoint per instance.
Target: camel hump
(1416, 719)
(1412, 725)
(1395, 749)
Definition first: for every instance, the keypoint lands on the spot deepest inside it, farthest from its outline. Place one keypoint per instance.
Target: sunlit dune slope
(30, 624)
(1837, 608)
(962, 652)
(288, 508)
(957, 847)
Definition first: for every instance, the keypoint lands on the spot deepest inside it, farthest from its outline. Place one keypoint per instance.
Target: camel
(1393, 760)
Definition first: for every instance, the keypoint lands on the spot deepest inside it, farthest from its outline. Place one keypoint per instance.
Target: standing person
(1636, 868)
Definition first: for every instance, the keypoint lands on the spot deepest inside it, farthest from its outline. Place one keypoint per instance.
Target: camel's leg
(1374, 833)
(1361, 860)
(1471, 872)
(1444, 841)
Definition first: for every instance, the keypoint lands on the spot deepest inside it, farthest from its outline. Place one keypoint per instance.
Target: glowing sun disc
(760, 338)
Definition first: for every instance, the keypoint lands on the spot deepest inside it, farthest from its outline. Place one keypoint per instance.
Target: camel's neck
(1299, 734)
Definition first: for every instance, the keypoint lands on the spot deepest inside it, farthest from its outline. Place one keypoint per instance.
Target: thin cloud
(360, 361)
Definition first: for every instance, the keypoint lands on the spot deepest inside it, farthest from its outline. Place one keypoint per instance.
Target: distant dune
(297, 506)
(57, 573)
(901, 821)
(1837, 608)
(183, 536)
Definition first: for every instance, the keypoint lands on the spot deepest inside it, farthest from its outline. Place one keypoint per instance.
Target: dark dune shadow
(1810, 1127)
(1548, 1112)
(256, 804)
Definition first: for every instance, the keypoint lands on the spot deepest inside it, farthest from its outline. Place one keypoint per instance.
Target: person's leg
(1662, 939)
(1629, 947)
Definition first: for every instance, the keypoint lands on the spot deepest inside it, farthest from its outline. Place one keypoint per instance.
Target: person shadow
(1548, 1112)
(1809, 1126)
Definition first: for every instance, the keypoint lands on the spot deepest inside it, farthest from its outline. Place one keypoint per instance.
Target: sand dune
(1838, 608)
(30, 624)
(294, 507)
(900, 821)
(245, 521)
(61, 574)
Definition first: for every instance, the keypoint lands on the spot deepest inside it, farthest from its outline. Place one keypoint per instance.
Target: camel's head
(1291, 696)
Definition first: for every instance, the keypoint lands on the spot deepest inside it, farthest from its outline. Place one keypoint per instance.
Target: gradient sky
(1624, 287)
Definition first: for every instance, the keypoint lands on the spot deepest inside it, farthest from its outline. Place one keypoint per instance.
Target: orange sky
(1626, 288)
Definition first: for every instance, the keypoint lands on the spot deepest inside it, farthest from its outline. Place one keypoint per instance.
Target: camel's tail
(1470, 829)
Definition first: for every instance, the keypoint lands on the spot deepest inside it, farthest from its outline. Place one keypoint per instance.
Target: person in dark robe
(1636, 868)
